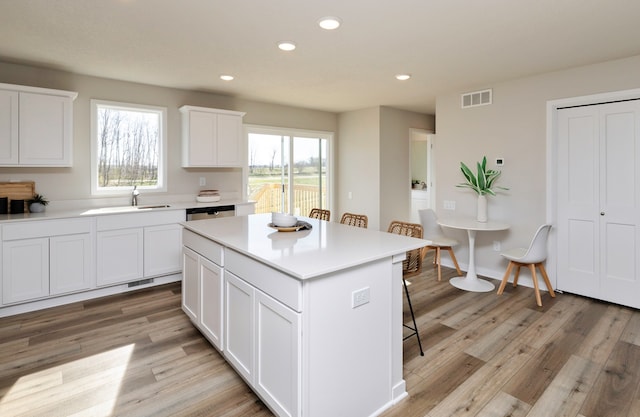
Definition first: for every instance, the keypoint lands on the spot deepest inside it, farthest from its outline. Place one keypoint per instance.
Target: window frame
(162, 152)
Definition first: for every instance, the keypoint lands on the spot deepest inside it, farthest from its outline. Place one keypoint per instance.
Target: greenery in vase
(482, 182)
(38, 198)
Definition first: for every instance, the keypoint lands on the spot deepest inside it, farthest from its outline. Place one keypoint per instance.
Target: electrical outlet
(496, 245)
(360, 297)
(203, 181)
(449, 205)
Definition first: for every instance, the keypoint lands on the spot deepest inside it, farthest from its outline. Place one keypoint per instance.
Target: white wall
(513, 127)
(59, 184)
(358, 170)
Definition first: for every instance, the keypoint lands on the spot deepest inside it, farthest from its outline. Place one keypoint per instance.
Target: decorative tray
(299, 226)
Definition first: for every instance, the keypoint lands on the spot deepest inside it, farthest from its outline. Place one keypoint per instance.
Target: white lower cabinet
(134, 246)
(277, 364)
(70, 263)
(263, 342)
(120, 256)
(202, 288)
(25, 270)
(240, 325)
(46, 258)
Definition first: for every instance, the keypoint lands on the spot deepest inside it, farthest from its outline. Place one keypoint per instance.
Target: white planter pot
(36, 208)
(482, 209)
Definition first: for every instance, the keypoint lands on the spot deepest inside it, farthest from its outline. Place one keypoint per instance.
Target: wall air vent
(477, 98)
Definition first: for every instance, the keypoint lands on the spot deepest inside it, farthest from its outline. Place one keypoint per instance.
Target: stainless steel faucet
(134, 196)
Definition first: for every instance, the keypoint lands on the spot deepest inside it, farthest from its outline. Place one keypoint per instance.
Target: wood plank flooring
(137, 354)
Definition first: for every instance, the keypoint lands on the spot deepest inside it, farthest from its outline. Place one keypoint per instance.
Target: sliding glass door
(288, 170)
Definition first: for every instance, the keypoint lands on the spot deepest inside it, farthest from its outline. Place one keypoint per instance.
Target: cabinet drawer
(282, 287)
(45, 228)
(125, 221)
(205, 247)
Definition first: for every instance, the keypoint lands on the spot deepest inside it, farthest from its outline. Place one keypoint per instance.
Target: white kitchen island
(312, 320)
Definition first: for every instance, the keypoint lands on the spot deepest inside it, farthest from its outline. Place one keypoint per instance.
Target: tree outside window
(128, 147)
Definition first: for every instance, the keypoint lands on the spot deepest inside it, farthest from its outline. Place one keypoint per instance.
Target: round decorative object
(36, 208)
(482, 208)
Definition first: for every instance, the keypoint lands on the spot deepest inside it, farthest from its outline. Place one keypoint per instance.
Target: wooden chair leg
(545, 277)
(517, 275)
(438, 262)
(505, 278)
(532, 268)
(455, 261)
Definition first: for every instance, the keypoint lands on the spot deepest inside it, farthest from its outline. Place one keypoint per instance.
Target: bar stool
(411, 266)
(358, 220)
(322, 214)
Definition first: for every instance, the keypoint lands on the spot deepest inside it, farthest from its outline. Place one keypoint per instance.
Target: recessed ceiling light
(226, 77)
(329, 23)
(403, 77)
(287, 45)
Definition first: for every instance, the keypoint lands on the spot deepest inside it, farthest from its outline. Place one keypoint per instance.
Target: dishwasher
(199, 213)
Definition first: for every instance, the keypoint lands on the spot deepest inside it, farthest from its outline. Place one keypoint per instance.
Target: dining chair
(434, 233)
(322, 214)
(411, 266)
(358, 220)
(530, 257)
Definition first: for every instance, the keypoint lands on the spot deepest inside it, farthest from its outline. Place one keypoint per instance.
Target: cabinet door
(8, 127)
(278, 341)
(25, 270)
(120, 256)
(201, 137)
(190, 281)
(162, 250)
(211, 301)
(45, 130)
(239, 325)
(71, 263)
(229, 149)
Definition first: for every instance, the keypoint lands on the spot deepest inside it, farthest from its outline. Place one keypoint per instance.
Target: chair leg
(413, 317)
(545, 277)
(505, 278)
(455, 261)
(517, 275)
(438, 262)
(532, 268)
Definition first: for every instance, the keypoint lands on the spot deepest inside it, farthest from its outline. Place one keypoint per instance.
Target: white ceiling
(447, 45)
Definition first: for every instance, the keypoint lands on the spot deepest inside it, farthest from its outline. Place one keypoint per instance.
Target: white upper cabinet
(36, 126)
(211, 137)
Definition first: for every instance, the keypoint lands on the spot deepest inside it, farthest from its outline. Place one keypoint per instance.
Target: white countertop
(65, 213)
(326, 248)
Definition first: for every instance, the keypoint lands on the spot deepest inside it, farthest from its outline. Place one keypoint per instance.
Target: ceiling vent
(476, 98)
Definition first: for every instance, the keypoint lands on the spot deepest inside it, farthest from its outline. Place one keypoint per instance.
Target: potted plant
(482, 183)
(37, 203)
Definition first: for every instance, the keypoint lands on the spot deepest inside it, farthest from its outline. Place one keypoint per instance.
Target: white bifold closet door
(598, 200)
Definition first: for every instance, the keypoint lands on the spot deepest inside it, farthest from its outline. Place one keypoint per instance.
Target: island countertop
(326, 248)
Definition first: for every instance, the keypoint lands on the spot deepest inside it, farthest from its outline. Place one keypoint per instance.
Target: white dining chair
(530, 257)
(433, 232)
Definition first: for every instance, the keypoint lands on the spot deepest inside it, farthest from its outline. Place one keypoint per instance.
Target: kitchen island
(312, 320)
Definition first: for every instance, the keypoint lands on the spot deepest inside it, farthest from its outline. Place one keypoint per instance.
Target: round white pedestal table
(471, 282)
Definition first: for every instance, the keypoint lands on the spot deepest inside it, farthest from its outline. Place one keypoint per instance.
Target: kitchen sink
(153, 207)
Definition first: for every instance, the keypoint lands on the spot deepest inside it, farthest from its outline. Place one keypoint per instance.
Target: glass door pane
(268, 172)
(308, 175)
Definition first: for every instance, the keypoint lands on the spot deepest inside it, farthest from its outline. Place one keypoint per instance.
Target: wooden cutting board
(18, 190)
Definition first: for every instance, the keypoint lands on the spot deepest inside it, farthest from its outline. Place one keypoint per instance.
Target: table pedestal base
(470, 284)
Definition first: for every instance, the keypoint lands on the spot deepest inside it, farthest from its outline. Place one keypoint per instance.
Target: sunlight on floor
(74, 387)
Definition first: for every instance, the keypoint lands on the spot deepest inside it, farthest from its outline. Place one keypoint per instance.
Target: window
(289, 171)
(128, 147)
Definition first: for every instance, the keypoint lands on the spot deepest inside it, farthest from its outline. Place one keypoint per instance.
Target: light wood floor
(485, 355)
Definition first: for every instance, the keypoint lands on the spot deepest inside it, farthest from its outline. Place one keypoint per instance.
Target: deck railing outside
(268, 198)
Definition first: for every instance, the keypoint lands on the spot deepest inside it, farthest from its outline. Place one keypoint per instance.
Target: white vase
(482, 208)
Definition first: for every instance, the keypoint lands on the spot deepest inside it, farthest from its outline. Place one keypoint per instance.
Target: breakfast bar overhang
(312, 320)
